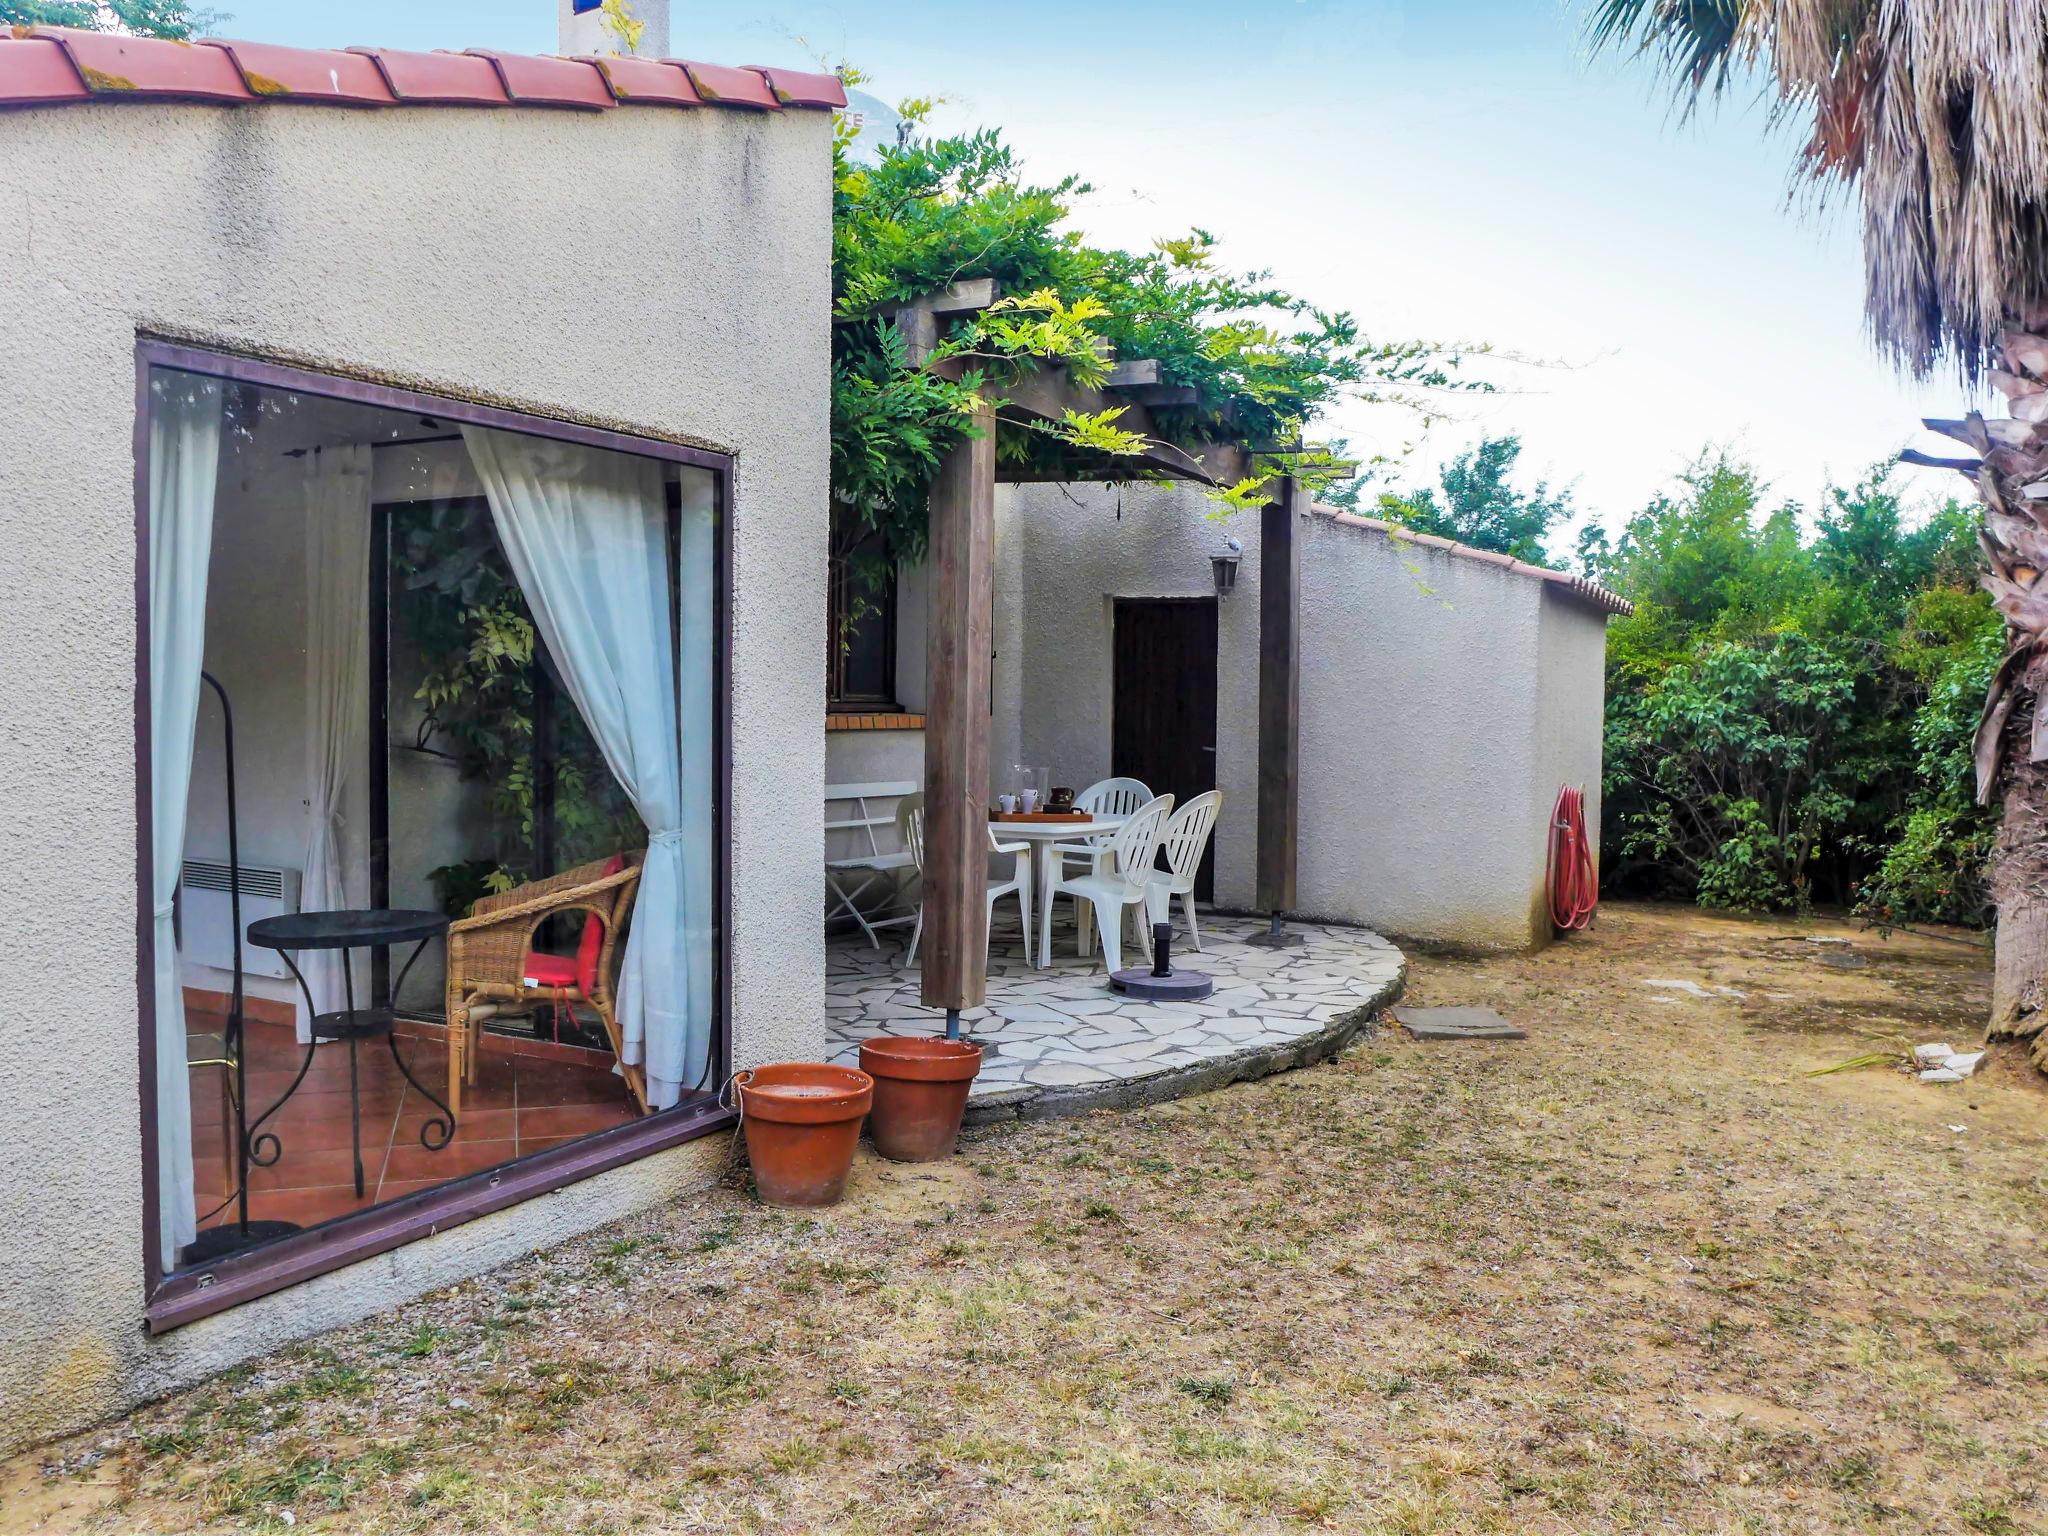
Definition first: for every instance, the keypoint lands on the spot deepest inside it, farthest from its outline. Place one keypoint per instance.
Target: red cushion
(545, 970)
(593, 939)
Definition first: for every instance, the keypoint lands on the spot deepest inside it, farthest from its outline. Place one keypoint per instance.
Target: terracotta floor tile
(410, 1161)
(329, 1070)
(472, 1125)
(310, 1104)
(484, 1095)
(531, 1144)
(545, 1050)
(546, 1083)
(209, 1110)
(572, 1120)
(422, 1060)
(305, 1168)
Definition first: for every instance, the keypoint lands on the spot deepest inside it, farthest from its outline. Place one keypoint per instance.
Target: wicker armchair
(491, 962)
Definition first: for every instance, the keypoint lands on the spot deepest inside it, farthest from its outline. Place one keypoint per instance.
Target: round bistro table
(347, 930)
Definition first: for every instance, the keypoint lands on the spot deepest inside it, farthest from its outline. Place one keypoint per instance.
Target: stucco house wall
(1445, 696)
(659, 272)
(1083, 547)
(1421, 779)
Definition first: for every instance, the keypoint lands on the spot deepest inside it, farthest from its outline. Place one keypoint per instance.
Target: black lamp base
(1179, 987)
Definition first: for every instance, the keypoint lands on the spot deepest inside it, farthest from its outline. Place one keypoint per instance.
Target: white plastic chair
(1184, 841)
(910, 824)
(1105, 797)
(1114, 891)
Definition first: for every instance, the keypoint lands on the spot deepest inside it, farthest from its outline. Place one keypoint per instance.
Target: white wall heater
(205, 933)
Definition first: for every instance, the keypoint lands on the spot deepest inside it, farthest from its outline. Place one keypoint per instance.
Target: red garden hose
(1574, 882)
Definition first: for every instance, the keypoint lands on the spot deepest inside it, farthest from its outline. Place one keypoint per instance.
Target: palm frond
(1935, 112)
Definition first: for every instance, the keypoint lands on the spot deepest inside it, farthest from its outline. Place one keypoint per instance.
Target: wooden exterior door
(1163, 714)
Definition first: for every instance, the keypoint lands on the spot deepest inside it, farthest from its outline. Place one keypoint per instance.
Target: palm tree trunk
(2019, 884)
(2011, 758)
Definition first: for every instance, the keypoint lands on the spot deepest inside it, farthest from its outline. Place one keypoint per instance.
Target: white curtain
(337, 695)
(184, 459)
(586, 533)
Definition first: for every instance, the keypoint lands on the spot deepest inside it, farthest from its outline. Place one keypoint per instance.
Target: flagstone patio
(1059, 1041)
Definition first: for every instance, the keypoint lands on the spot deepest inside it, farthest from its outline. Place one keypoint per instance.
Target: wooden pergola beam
(1046, 395)
(918, 319)
(1134, 374)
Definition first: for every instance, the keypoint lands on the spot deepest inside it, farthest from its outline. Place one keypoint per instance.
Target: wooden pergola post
(1279, 706)
(960, 611)
(960, 642)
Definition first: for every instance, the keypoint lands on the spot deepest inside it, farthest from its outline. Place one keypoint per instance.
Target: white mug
(1008, 803)
(1030, 801)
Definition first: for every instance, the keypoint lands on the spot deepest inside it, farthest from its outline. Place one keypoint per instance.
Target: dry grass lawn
(1636, 1273)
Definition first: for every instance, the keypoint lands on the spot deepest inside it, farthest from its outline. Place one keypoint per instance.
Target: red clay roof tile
(41, 72)
(309, 74)
(44, 66)
(113, 65)
(730, 87)
(549, 82)
(647, 82)
(795, 88)
(438, 79)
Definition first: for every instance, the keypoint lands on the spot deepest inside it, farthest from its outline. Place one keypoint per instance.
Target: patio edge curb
(1031, 1102)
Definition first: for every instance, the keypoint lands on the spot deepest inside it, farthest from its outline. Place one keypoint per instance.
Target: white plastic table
(1041, 835)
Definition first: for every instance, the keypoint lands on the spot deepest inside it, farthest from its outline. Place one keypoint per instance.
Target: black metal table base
(346, 1025)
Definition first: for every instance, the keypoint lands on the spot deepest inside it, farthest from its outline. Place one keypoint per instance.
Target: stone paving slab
(1457, 1024)
(1059, 1041)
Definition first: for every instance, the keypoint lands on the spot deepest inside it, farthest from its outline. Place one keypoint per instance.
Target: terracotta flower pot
(802, 1121)
(921, 1090)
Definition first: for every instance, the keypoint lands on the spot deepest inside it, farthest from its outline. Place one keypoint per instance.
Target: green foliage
(1740, 768)
(625, 28)
(1791, 705)
(1936, 869)
(456, 603)
(935, 211)
(145, 18)
(1478, 506)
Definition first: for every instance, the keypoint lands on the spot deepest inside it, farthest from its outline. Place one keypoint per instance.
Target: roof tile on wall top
(309, 74)
(731, 87)
(549, 82)
(55, 66)
(113, 65)
(439, 79)
(646, 82)
(40, 73)
(796, 88)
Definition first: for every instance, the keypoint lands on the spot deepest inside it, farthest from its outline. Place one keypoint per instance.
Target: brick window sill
(872, 720)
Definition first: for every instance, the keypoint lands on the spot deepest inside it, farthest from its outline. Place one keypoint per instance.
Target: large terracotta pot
(921, 1090)
(802, 1121)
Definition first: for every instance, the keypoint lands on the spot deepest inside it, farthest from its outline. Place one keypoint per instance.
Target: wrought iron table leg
(255, 1142)
(445, 1121)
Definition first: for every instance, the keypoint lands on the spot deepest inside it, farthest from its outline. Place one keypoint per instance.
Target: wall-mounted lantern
(1225, 567)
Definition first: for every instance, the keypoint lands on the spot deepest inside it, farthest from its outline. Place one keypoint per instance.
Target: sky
(1456, 170)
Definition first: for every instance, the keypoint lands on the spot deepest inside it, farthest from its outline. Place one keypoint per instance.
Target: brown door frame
(1206, 879)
